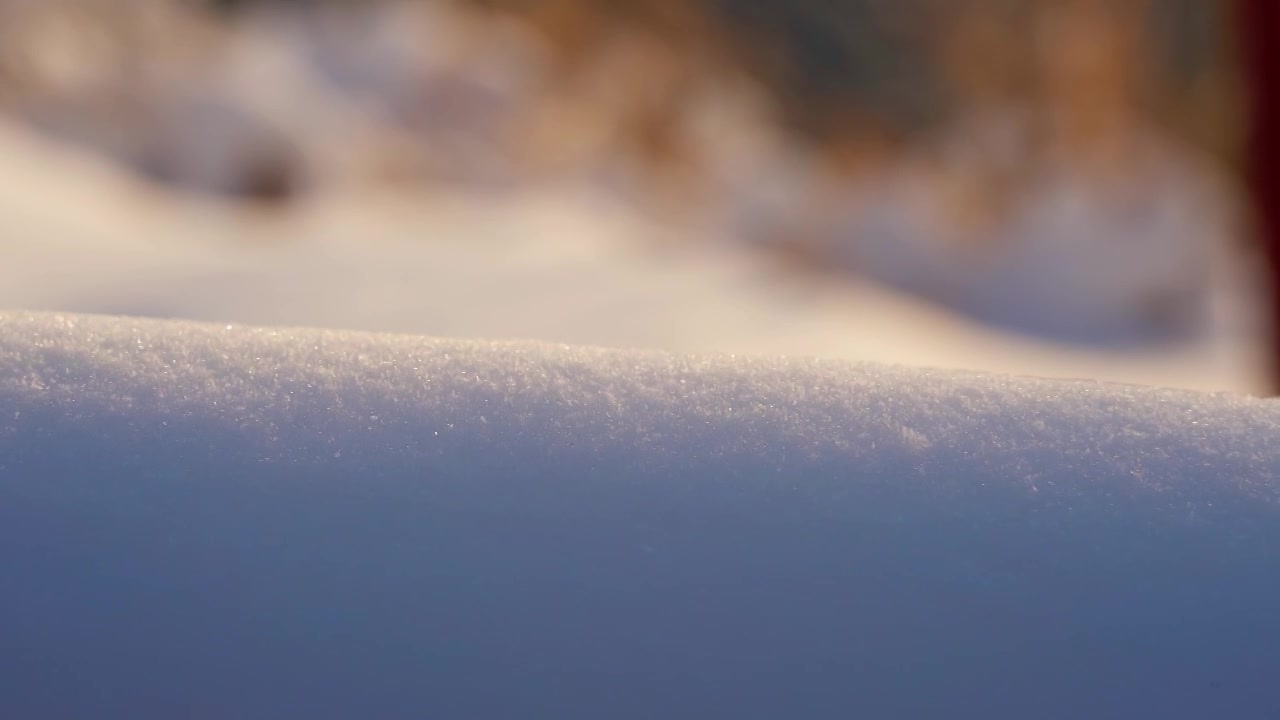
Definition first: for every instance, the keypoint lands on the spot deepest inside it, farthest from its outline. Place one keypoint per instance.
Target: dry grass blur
(626, 75)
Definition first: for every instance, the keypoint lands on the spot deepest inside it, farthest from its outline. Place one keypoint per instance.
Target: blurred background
(1044, 187)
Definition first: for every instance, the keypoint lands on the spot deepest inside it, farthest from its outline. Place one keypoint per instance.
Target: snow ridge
(209, 519)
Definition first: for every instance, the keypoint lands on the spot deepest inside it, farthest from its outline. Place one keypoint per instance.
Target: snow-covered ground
(214, 520)
(562, 263)
(220, 521)
(444, 184)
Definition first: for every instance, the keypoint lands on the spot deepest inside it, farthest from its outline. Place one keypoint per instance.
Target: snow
(220, 520)
(557, 263)
(1125, 256)
(442, 184)
(211, 520)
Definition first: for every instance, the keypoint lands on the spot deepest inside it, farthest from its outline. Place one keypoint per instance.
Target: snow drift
(217, 521)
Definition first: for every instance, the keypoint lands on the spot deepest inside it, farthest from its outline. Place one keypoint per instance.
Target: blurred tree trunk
(1259, 23)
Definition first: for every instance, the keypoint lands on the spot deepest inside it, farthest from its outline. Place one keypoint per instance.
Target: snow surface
(560, 264)
(220, 521)
(443, 185)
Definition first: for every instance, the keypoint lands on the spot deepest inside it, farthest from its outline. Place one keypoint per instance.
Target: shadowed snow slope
(212, 521)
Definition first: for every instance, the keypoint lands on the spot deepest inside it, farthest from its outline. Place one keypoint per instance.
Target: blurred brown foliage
(859, 78)
(853, 79)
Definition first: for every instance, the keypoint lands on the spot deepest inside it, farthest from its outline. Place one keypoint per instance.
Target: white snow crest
(313, 395)
(226, 521)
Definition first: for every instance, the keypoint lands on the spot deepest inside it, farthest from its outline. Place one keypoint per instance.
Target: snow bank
(217, 521)
(555, 264)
